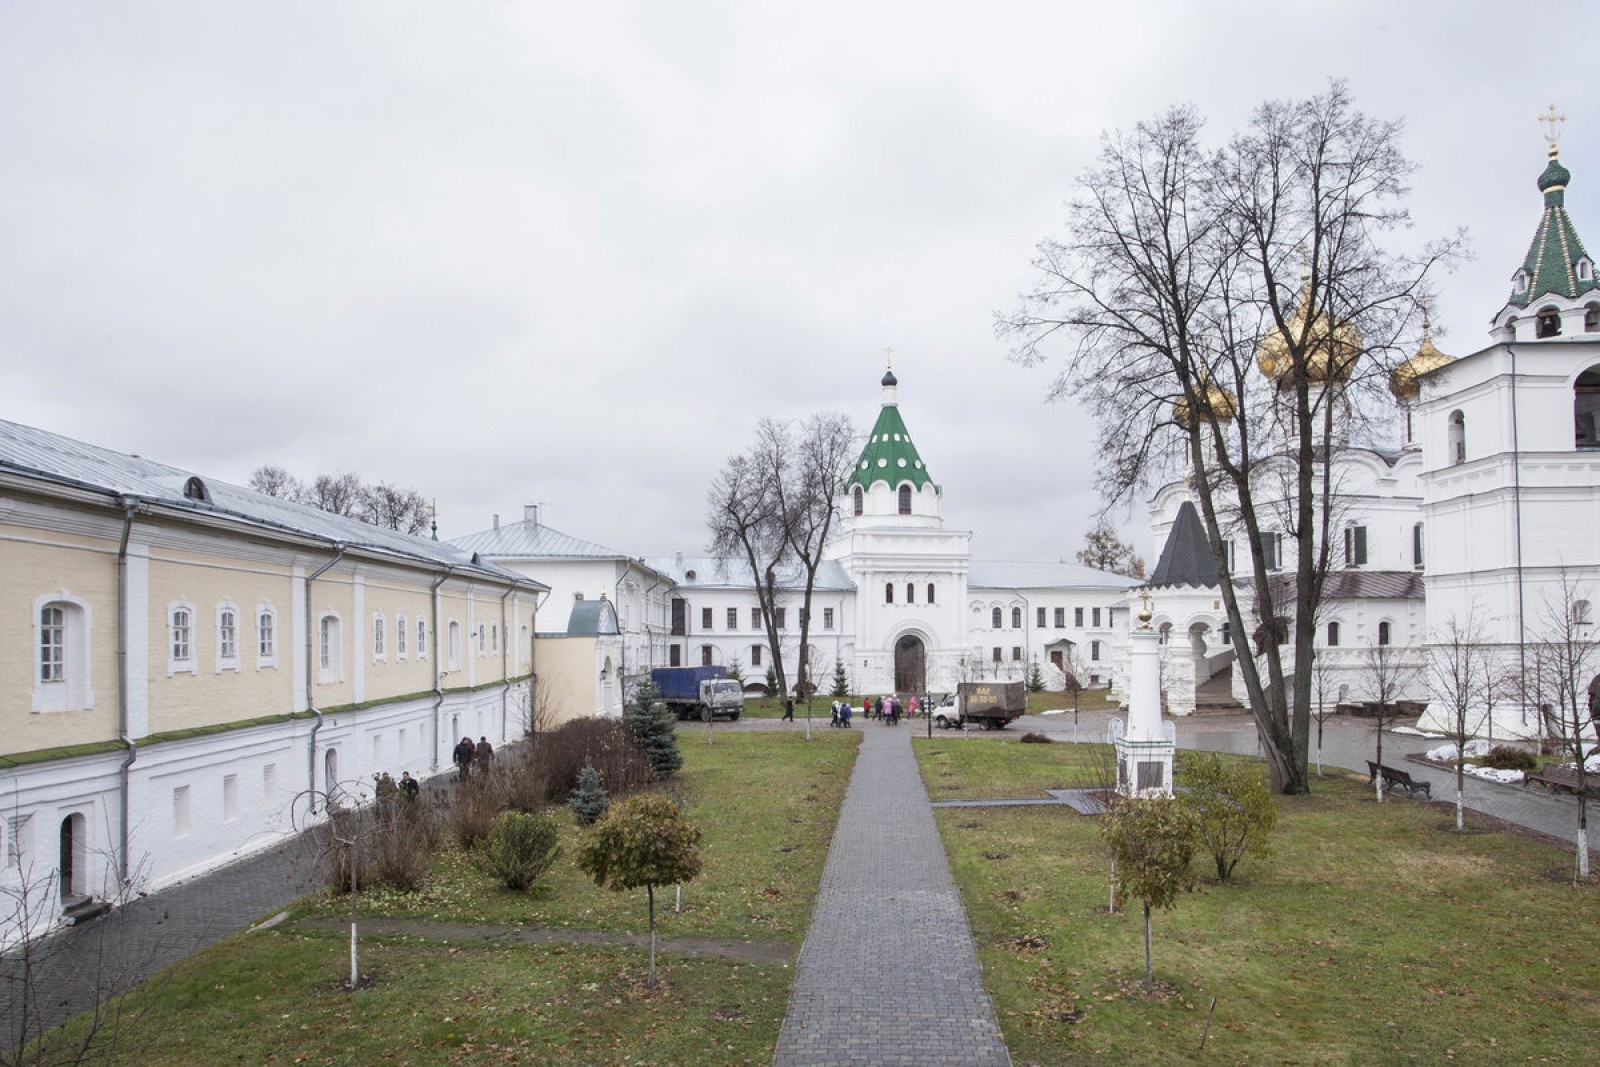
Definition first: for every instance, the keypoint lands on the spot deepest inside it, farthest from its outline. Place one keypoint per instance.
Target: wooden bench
(1393, 778)
(1563, 779)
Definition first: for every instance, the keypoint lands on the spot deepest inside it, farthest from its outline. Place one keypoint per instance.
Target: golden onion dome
(1405, 380)
(1335, 347)
(1215, 402)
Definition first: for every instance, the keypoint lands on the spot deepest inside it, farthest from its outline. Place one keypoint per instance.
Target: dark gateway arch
(910, 665)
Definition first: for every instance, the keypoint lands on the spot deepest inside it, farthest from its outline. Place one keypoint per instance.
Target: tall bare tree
(276, 482)
(395, 508)
(1388, 674)
(742, 516)
(1463, 681)
(339, 494)
(1179, 262)
(1564, 664)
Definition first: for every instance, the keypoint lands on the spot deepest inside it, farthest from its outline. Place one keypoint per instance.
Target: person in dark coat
(409, 786)
(463, 757)
(788, 708)
(483, 755)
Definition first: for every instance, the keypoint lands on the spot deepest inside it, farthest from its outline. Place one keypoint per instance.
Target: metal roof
(1186, 558)
(1355, 585)
(64, 461)
(720, 572)
(532, 540)
(592, 618)
(1018, 574)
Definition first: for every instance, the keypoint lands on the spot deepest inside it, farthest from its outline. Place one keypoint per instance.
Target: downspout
(311, 703)
(438, 664)
(128, 505)
(505, 665)
(622, 665)
(533, 666)
(1516, 504)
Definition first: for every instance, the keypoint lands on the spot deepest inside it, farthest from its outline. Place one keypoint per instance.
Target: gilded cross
(888, 355)
(1553, 120)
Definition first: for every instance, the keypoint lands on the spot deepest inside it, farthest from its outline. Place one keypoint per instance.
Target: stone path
(889, 974)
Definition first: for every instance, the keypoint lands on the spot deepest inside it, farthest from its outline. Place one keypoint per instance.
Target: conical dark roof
(1186, 558)
(1551, 265)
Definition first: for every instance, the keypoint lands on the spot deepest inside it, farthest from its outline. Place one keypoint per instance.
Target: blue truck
(692, 692)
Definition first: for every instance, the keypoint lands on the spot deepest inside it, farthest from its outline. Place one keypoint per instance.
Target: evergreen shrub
(519, 848)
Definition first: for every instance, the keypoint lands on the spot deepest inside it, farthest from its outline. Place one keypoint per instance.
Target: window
(377, 637)
(905, 500)
(1580, 613)
(1416, 546)
(483, 634)
(53, 644)
(911, 593)
(180, 646)
(855, 499)
(996, 619)
(330, 650)
(1094, 615)
(230, 797)
(827, 618)
(705, 618)
(227, 636)
(1094, 650)
(1272, 550)
(930, 593)
(180, 811)
(269, 784)
(400, 636)
(1061, 619)
(1355, 546)
(733, 618)
(1591, 318)
(1586, 409)
(1077, 617)
(453, 646)
(888, 592)
(1333, 635)
(1016, 653)
(755, 655)
(422, 639)
(804, 617)
(996, 653)
(1383, 633)
(705, 655)
(1016, 618)
(61, 637)
(1039, 622)
(680, 615)
(494, 638)
(783, 618)
(675, 656)
(755, 618)
(1457, 450)
(266, 637)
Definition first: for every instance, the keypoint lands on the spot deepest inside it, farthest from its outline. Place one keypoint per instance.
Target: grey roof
(532, 540)
(63, 461)
(1186, 558)
(1019, 574)
(721, 572)
(1355, 585)
(592, 618)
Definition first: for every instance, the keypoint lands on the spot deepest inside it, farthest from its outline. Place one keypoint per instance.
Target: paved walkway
(889, 974)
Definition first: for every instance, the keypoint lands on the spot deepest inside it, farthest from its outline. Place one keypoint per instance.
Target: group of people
(468, 755)
(888, 709)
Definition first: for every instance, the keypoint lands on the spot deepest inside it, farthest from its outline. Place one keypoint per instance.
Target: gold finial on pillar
(1145, 614)
(1553, 120)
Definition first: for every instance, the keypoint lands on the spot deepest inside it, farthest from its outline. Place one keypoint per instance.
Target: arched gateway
(910, 665)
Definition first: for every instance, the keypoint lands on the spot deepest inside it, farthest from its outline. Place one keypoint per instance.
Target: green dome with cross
(889, 456)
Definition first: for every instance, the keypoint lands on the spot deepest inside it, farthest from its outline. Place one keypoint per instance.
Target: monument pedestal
(1145, 750)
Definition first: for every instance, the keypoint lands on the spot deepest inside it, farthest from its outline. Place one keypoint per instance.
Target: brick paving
(889, 974)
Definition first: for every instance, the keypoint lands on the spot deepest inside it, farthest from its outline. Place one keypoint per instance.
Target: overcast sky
(570, 253)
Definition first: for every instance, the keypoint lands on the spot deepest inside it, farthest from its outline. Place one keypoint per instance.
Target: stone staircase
(1215, 696)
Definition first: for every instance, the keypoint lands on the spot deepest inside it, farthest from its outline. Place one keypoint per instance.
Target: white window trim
(191, 663)
(227, 663)
(267, 611)
(402, 647)
(333, 673)
(75, 692)
(380, 638)
(422, 638)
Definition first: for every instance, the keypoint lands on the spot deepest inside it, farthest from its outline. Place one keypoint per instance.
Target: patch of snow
(1494, 775)
(1442, 754)
(1414, 732)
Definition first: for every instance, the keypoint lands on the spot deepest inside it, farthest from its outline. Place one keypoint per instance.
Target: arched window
(1383, 633)
(930, 593)
(1580, 613)
(62, 639)
(1333, 635)
(330, 650)
(266, 636)
(227, 635)
(1016, 618)
(888, 592)
(1458, 438)
(1586, 409)
(422, 638)
(911, 593)
(1416, 546)
(1591, 318)
(995, 619)
(1549, 323)
(453, 648)
(855, 499)
(905, 500)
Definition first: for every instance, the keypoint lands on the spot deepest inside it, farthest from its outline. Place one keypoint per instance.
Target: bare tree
(339, 494)
(395, 508)
(1462, 680)
(1323, 686)
(1388, 676)
(1105, 551)
(276, 482)
(1176, 274)
(1565, 665)
(743, 522)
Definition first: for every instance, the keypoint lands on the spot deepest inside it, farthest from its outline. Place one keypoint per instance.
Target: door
(910, 666)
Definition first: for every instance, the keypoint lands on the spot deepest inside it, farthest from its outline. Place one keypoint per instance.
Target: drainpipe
(128, 505)
(311, 702)
(505, 666)
(438, 664)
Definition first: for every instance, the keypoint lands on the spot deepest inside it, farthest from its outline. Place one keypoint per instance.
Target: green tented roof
(1551, 263)
(889, 455)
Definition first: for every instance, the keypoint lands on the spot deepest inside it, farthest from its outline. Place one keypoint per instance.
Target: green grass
(767, 804)
(1375, 935)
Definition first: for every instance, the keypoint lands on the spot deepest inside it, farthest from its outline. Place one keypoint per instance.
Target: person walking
(788, 709)
(463, 757)
(483, 755)
(409, 787)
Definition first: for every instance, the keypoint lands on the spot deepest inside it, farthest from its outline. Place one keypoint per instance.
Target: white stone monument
(1146, 748)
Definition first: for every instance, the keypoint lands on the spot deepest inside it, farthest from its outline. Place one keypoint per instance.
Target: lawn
(453, 980)
(1376, 934)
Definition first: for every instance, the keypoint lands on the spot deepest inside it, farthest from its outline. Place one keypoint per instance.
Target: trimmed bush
(1507, 758)
(589, 800)
(519, 848)
(1233, 808)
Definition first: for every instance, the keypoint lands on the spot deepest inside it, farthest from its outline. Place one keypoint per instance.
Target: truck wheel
(734, 717)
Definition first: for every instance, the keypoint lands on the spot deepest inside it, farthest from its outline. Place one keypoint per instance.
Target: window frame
(181, 657)
(72, 689)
